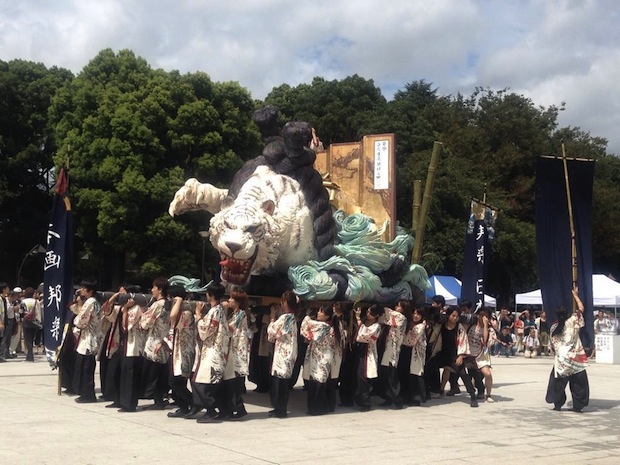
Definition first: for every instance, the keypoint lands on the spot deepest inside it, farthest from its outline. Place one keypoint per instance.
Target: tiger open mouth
(236, 271)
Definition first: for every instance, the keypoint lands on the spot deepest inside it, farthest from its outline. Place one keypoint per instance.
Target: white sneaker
(490, 399)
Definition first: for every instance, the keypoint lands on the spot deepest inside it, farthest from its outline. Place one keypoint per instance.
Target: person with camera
(87, 332)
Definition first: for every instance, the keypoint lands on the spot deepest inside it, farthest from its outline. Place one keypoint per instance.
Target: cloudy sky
(552, 51)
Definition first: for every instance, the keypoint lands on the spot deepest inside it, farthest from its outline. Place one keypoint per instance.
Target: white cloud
(549, 50)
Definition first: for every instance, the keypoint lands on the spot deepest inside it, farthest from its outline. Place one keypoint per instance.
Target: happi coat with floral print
(184, 344)
(368, 335)
(87, 327)
(320, 352)
(570, 357)
(416, 339)
(237, 365)
(155, 321)
(283, 332)
(214, 344)
(397, 323)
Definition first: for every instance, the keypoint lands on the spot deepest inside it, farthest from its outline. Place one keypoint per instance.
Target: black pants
(129, 392)
(432, 377)
(29, 333)
(233, 394)
(579, 389)
(478, 378)
(180, 392)
(317, 397)
(84, 376)
(279, 394)
(348, 377)
(461, 372)
(417, 389)
(6, 340)
(302, 348)
(154, 381)
(391, 384)
(66, 363)
(207, 396)
(331, 388)
(112, 377)
(404, 364)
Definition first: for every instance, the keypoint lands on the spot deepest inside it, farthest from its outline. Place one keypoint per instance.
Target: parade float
(321, 223)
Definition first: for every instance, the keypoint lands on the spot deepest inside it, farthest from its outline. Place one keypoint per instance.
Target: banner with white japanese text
(58, 268)
(477, 254)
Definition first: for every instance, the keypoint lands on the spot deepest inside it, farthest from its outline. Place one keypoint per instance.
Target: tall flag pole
(564, 190)
(58, 269)
(477, 254)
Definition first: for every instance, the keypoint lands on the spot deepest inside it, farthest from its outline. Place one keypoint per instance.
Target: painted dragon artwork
(275, 225)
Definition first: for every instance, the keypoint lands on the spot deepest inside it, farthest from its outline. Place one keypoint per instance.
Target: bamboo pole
(571, 222)
(426, 202)
(417, 198)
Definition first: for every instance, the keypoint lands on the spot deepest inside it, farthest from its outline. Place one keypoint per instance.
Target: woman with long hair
(570, 362)
(396, 320)
(319, 358)
(237, 365)
(480, 338)
(367, 369)
(414, 345)
(451, 351)
(283, 333)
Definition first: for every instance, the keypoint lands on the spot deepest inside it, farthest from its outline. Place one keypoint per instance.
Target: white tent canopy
(450, 288)
(606, 293)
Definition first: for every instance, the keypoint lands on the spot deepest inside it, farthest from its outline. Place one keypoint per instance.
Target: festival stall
(450, 288)
(606, 293)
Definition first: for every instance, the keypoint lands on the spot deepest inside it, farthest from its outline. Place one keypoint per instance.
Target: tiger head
(247, 237)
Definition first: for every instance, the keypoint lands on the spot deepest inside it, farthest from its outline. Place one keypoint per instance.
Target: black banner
(553, 236)
(477, 253)
(58, 268)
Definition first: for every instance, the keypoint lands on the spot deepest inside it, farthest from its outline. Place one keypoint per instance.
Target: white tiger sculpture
(264, 230)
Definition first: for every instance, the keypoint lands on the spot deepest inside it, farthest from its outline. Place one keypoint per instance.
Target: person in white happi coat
(367, 370)
(283, 332)
(338, 347)
(131, 348)
(319, 358)
(396, 321)
(214, 336)
(415, 339)
(183, 329)
(237, 366)
(87, 331)
(109, 356)
(570, 363)
(156, 322)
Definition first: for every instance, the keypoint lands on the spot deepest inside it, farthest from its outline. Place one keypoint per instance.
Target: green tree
(132, 135)
(340, 111)
(26, 149)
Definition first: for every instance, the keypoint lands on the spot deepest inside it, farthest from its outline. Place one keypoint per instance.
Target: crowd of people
(197, 354)
(21, 322)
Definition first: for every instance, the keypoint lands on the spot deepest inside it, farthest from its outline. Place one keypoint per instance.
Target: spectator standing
(30, 315)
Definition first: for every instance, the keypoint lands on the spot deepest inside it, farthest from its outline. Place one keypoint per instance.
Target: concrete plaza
(40, 427)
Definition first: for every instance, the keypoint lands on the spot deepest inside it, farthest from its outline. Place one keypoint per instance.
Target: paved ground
(40, 427)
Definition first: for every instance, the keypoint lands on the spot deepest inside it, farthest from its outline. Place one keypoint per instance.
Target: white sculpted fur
(264, 230)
